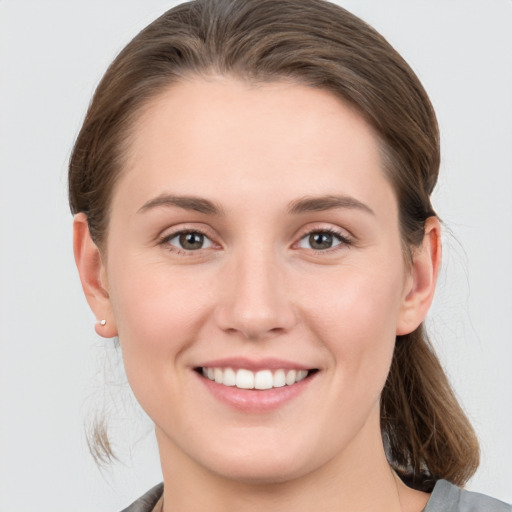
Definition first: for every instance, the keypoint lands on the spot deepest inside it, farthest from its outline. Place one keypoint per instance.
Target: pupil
(191, 241)
(320, 240)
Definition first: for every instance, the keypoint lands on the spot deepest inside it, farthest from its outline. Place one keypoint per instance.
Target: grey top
(447, 498)
(444, 498)
(147, 502)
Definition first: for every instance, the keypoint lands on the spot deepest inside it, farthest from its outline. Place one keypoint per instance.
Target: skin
(258, 288)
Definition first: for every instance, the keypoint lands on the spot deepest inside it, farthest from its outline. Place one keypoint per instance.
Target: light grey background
(52, 365)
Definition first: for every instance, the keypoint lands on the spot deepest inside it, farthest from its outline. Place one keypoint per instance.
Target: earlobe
(421, 284)
(93, 276)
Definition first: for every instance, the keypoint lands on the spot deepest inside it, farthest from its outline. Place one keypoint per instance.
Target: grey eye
(320, 241)
(190, 241)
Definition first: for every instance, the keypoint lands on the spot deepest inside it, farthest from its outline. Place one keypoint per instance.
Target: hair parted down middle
(319, 44)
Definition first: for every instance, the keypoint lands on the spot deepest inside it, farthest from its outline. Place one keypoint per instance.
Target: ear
(93, 276)
(422, 278)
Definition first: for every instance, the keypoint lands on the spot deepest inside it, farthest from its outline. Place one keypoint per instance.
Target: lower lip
(256, 400)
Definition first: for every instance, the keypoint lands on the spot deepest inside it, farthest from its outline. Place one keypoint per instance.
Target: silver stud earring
(101, 322)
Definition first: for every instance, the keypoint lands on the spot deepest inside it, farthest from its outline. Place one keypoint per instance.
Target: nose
(255, 300)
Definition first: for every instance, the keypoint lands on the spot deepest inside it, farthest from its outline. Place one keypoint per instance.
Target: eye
(322, 240)
(188, 241)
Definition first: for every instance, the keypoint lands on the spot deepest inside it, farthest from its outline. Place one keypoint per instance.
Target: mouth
(264, 379)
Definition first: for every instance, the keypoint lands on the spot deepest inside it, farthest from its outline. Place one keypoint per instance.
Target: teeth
(279, 379)
(301, 375)
(229, 377)
(246, 379)
(290, 377)
(263, 380)
(217, 374)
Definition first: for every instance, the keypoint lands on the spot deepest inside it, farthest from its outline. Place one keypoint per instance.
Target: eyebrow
(329, 202)
(197, 204)
(298, 206)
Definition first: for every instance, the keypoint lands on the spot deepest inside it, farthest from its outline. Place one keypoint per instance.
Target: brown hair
(319, 44)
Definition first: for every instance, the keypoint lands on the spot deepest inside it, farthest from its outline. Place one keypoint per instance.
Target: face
(254, 243)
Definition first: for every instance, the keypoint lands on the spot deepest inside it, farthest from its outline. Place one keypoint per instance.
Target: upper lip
(254, 364)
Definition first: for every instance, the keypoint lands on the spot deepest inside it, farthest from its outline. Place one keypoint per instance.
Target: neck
(357, 480)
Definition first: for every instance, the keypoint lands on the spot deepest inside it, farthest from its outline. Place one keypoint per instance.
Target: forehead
(253, 137)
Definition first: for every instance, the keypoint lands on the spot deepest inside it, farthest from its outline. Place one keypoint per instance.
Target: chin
(261, 463)
(256, 471)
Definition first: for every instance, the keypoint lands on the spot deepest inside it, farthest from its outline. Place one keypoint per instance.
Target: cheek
(158, 314)
(356, 316)
(158, 320)
(356, 301)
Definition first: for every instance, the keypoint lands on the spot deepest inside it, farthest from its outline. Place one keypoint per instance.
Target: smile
(247, 379)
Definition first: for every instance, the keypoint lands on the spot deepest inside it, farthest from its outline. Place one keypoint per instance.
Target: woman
(251, 189)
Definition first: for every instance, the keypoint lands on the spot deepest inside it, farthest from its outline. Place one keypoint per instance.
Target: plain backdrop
(55, 373)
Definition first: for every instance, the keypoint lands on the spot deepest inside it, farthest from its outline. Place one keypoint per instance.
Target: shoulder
(147, 502)
(448, 498)
(444, 498)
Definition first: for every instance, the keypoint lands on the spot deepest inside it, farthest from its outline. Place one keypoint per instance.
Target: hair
(318, 44)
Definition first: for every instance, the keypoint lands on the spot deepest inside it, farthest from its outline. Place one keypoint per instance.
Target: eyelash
(344, 240)
(164, 241)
